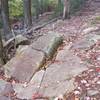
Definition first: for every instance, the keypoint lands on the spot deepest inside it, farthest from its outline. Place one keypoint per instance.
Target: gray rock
(92, 92)
(20, 39)
(48, 43)
(92, 37)
(58, 78)
(83, 44)
(86, 42)
(5, 87)
(89, 30)
(98, 58)
(32, 88)
(45, 40)
(24, 64)
(4, 98)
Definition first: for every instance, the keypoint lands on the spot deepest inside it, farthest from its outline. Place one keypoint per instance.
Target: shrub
(16, 8)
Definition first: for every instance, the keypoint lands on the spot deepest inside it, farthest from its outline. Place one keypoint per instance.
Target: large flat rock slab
(4, 98)
(55, 89)
(24, 64)
(58, 78)
(27, 92)
(5, 88)
(86, 42)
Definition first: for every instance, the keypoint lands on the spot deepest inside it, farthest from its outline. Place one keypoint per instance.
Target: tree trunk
(5, 18)
(66, 9)
(1, 51)
(41, 7)
(59, 7)
(27, 13)
(37, 8)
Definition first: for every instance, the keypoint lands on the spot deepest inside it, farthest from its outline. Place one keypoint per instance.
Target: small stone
(95, 80)
(58, 81)
(87, 85)
(79, 88)
(98, 58)
(83, 81)
(87, 98)
(92, 92)
(98, 82)
(25, 84)
(60, 97)
(24, 64)
(76, 92)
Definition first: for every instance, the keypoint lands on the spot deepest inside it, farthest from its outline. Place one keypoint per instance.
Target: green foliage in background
(58, 8)
(75, 5)
(16, 8)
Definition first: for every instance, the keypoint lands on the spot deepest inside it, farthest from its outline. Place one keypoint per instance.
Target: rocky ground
(74, 71)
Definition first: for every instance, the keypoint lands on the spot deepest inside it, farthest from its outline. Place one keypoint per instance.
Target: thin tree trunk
(59, 7)
(27, 13)
(37, 8)
(66, 10)
(1, 51)
(41, 7)
(5, 18)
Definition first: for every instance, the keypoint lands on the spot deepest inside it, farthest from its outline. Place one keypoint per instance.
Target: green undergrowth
(96, 20)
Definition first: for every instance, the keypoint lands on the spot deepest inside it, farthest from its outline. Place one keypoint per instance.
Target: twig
(41, 26)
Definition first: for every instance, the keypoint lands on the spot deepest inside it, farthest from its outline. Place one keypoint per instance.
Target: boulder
(31, 58)
(26, 92)
(86, 42)
(48, 43)
(19, 39)
(59, 76)
(57, 79)
(26, 62)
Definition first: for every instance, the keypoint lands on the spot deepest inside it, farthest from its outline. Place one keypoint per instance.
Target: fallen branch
(41, 26)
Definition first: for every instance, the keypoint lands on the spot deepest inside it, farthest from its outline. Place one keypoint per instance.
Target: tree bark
(1, 51)
(27, 13)
(41, 7)
(5, 18)
(37, 8)
(66, 9)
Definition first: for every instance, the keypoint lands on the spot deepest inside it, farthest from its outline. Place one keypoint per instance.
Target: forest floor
(75, 30)
(78, 59)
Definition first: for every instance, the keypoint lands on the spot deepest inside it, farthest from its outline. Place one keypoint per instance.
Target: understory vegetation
(16, 7)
